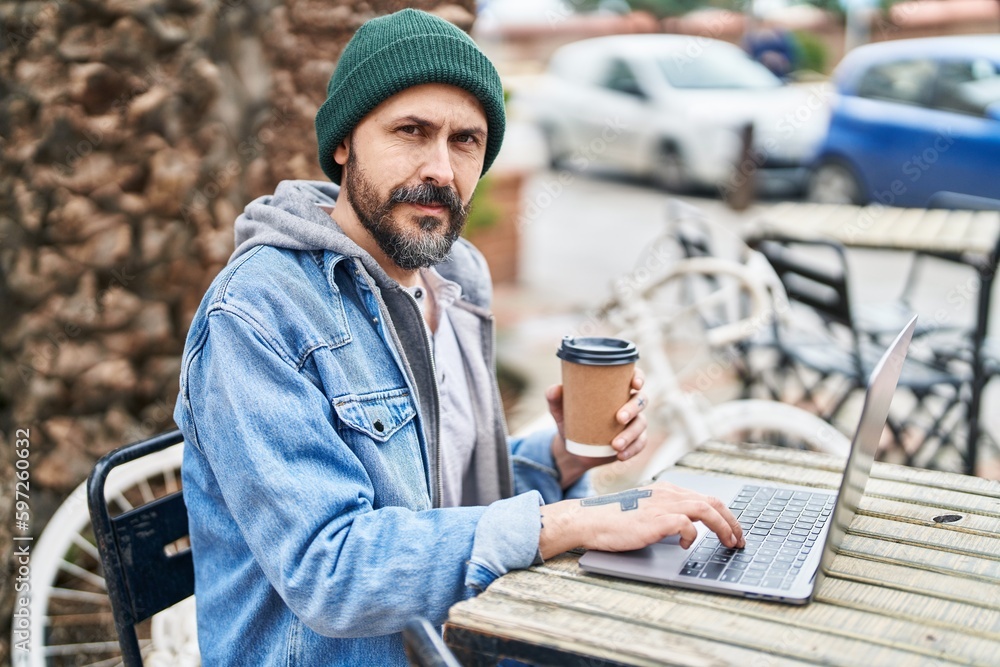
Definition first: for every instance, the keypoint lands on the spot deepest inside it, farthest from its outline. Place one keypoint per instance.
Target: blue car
(916, 122)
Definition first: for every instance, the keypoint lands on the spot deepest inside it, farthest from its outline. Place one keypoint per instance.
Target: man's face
(410, 168)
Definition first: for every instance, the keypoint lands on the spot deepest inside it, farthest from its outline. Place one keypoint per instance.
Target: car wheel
(558, 155)
(834, 183)
(669, 170)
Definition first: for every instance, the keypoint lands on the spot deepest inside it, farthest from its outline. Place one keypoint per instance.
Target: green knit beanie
(391, 53)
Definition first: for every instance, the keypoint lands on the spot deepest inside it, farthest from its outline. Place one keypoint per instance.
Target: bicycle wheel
(741, 421)
(70, 611)
(771, 422)
(712, 300)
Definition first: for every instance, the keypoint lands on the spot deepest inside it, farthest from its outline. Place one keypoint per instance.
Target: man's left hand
(628, 443)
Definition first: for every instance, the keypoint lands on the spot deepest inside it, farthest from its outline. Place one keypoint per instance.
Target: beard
(409, 249)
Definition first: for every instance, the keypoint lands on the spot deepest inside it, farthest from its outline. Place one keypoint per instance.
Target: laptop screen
(881, 387)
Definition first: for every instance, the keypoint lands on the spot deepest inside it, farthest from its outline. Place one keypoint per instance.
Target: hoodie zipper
(498, 405)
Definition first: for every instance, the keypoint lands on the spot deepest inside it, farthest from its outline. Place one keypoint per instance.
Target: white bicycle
(697, 309)
(71, 621)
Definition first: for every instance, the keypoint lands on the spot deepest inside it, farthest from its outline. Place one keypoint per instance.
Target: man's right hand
(634, 519)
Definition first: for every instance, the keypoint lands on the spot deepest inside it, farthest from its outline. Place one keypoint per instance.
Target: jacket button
(379, 427)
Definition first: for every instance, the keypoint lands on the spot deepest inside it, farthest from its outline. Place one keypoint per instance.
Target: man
(346, 466)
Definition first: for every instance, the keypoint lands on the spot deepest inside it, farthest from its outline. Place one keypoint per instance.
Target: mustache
(427, 194)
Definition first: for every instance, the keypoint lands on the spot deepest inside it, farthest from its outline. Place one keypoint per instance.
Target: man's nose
(436, 166)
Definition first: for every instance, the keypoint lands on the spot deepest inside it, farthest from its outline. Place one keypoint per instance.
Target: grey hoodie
(293, 218)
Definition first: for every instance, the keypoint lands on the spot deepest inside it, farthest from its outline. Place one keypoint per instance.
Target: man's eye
(409, 129)
(467, 139)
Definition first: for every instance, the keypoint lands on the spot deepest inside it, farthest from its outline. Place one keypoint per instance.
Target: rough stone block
(85, 174)
(106, 249)
(173, 174)
(86, 42)
(154, 111)
(79, 219)
(63, 466)
(39, 396)
(109, 378)
(75, 358)
(149, 332)
(95, 86)
(24, 280)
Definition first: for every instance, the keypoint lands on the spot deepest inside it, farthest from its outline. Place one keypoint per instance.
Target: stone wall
(132, 132)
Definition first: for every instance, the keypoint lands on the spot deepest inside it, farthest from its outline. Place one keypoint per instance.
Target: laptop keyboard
(780, 527)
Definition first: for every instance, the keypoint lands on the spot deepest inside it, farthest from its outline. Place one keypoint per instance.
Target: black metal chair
(424, 646)
(832, 361)
(143, 572)
(883, 321)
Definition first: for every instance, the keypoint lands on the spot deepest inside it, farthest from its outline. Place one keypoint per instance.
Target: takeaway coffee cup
(597, 382)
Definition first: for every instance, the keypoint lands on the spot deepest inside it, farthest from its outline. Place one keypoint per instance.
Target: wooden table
(905, 590)
(971, 238)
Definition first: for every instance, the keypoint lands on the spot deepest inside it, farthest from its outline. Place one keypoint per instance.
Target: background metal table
(971, 238)
(917, 582)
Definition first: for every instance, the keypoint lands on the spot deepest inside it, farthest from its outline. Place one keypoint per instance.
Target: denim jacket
(310, 463)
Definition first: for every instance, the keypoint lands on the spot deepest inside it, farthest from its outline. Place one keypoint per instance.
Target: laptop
(792, 532)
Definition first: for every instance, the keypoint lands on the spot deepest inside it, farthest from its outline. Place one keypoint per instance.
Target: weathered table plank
(906, 571)
(933, 479)
(619, 639)
(881, 227)
(918, 607)
(904, 589)
(702, 615)
(924, 514)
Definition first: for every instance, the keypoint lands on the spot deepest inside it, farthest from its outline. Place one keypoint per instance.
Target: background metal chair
(831, 360)
(147, 567)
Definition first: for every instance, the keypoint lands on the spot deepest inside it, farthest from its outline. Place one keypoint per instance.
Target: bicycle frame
(694, 421)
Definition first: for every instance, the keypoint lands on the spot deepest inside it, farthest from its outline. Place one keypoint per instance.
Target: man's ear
(342, 151)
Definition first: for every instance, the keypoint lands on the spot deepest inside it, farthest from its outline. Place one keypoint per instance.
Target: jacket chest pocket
(381, 430)
(378, 415)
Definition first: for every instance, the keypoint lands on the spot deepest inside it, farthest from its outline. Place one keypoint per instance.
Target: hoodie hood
(293, 218)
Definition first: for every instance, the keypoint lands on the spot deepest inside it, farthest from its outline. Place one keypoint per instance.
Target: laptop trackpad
(658, 561)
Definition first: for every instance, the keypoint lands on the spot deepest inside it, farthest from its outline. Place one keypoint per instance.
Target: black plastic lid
(598, 351)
